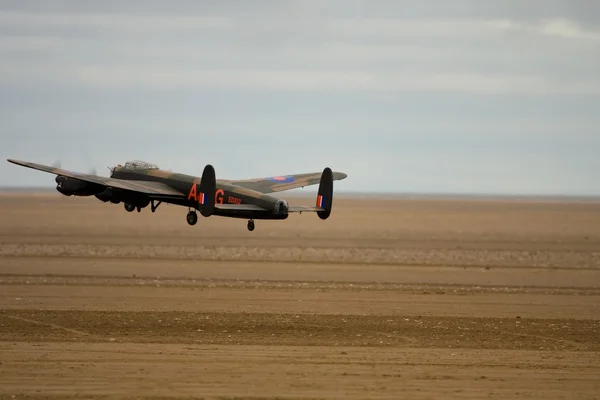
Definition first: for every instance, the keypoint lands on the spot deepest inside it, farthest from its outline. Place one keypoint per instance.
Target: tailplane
(324, 196)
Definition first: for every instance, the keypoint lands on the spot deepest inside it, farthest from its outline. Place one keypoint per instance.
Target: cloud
(305, 52)
(567, 29)
(172, 78)
(125, 23)
(558, 28)
(382, 55)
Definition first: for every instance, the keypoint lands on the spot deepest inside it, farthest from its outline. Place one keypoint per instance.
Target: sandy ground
(419, 299)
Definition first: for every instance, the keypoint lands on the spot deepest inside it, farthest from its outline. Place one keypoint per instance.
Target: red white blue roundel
(282, 179)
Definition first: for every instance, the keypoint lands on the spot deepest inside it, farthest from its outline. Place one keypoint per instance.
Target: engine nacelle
(108, 195)
(117, 196)
(281, 207)
(139, 201)
(75, 187)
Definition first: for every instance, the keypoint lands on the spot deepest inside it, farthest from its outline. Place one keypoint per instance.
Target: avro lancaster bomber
(139, 184)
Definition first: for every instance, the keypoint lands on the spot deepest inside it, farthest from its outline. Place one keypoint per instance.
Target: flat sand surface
(389, 298)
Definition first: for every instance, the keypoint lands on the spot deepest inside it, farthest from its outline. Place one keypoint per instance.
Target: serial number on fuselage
(220, 196)
(234, 200)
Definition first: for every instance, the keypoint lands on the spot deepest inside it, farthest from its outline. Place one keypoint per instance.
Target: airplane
(138, 184)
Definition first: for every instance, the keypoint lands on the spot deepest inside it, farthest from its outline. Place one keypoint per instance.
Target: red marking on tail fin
(319, 201)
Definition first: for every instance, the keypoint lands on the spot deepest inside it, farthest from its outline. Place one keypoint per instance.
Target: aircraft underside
(192, 215)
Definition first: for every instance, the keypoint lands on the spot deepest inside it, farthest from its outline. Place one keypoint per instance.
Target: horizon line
(367, 193)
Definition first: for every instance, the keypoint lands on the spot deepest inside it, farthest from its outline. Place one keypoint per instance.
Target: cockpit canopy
(138, 164)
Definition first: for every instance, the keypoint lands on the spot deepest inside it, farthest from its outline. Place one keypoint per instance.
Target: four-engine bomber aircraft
(138, 184)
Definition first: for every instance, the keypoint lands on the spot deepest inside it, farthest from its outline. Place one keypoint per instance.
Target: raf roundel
(282, 179)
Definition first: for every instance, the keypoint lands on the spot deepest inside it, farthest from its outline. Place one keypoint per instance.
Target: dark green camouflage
(138, 184)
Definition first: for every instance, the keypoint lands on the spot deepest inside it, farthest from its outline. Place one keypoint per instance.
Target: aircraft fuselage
(225, 193)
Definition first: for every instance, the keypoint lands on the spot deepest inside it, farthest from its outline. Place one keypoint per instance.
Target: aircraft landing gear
(251, 225)
(192, 217)
(131, 207)
(154, 206)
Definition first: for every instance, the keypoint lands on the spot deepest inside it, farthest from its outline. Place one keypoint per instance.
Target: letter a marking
(192, 194)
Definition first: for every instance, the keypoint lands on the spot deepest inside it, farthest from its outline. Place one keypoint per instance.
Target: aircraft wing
(239, 207)
(301, 209)
(155, 190)
(284, 182)
(253, 207)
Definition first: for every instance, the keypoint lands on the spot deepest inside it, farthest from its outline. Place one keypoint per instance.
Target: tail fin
(208, 187)
(325, 194)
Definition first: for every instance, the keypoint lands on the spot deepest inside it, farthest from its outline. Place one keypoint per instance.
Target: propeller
(91, 171)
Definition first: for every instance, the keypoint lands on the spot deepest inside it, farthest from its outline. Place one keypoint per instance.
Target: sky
(461, 96)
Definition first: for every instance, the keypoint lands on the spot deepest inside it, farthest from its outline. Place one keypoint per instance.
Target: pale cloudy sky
(461, 96)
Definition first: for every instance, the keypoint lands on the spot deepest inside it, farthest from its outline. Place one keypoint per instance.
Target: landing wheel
(250, 225)
(192, 218)
(129, 207)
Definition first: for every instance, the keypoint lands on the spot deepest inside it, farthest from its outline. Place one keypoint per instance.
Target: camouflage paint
(247, 198)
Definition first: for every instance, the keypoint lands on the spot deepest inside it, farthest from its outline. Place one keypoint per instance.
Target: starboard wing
(284, 182)
(153, 189)
(323, 205)
(301, 209)
(239, 207)
(253, 207)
